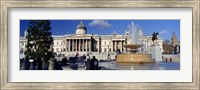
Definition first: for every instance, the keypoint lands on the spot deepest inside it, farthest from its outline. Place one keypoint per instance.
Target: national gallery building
(97, 45)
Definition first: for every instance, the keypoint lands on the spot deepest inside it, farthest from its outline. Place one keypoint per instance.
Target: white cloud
(100, 24)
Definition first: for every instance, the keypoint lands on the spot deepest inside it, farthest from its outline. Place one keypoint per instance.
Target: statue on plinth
(155, 36)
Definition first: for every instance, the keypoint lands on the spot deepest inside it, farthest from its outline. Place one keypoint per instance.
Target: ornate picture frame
(4, 53)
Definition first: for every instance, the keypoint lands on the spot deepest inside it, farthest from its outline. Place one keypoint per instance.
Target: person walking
(83, 59)
(87, 63)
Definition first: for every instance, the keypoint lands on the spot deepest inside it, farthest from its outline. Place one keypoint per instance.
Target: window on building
(104, 43)
(57, 49)
(57, 43)
(105, 50)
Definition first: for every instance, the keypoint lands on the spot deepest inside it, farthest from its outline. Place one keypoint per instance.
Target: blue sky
(61, 27)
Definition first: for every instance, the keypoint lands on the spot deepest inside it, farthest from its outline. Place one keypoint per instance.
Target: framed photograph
(99, 44)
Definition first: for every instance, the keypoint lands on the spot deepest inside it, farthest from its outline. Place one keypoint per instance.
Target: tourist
(88, 57)
(83, 59)
(75, 58)
(94, 64)
(87, 63)
(108, 57)
(64, 61)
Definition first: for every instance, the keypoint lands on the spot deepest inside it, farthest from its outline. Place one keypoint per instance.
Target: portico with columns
(78, 44)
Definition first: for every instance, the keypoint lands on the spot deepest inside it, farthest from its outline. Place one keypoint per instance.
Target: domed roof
(81, 26)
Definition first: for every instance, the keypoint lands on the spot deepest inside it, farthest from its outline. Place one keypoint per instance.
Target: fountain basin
(133, 47)
(133, 58)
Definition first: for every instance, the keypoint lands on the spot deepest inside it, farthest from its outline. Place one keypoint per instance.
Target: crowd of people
(88, 62)
(71, 62)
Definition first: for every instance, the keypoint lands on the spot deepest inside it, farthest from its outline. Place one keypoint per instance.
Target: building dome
(81, 29)
(81, 26)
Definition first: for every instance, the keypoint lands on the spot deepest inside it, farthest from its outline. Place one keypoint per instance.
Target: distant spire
(174, 39)
(140, 32)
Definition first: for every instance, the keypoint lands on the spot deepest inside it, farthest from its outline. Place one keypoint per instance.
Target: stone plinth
(156, 52)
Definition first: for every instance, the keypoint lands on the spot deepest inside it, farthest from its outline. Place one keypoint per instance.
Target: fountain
(133, 57)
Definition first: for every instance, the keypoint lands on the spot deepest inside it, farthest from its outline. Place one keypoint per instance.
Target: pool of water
(112, 65)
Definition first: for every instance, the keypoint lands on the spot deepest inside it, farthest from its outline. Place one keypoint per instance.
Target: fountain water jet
(133, 57)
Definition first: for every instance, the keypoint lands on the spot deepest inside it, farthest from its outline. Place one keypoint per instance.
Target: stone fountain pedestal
(133, 57)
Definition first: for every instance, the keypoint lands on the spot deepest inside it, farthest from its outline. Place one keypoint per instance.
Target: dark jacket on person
(94, 64)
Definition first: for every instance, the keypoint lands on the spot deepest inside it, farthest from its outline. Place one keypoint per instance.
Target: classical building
(98, 45)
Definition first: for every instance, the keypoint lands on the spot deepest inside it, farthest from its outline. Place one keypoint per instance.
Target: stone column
(66, 48)
(115, 45)
(90, 45)
(124, 49)
(79, 45)
(72, 44)
(122, 46)
(76, 44)
(112, 46)
(86, 44)
(82, 44)
(68, 41)
(146, 46)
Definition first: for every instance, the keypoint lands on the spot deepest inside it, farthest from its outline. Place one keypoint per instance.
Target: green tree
(39, 42)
